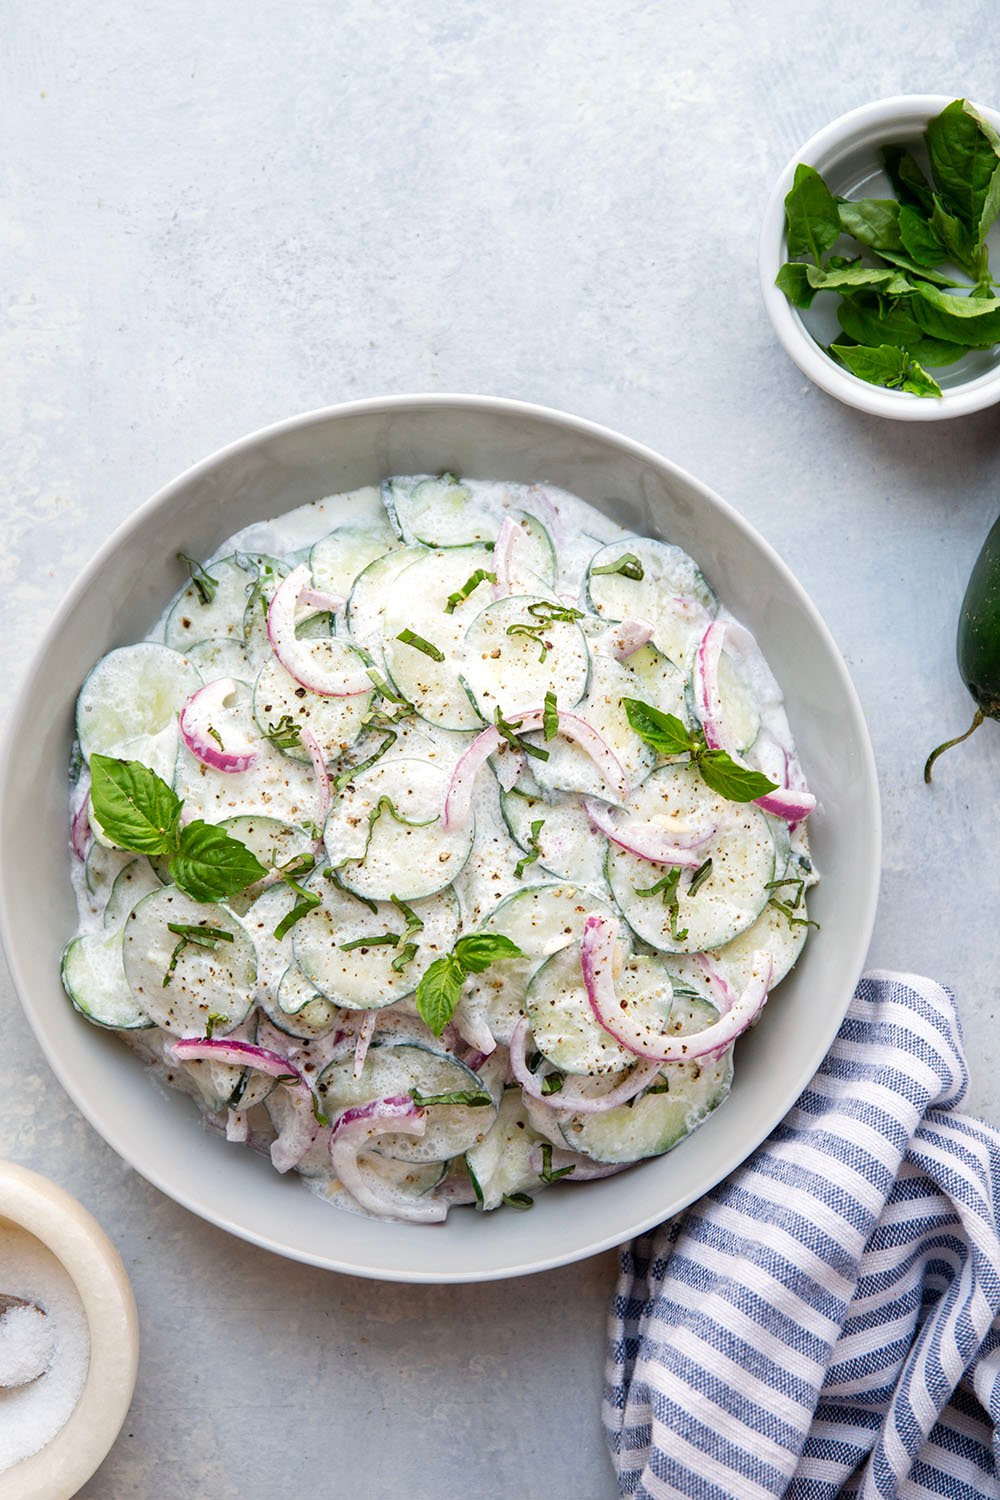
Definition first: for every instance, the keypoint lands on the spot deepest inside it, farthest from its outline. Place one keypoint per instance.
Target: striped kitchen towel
(824, 1322)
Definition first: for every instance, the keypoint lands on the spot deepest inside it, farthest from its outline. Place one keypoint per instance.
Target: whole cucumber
(978, 643)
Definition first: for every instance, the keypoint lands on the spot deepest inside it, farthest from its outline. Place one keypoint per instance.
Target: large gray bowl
(116, 600)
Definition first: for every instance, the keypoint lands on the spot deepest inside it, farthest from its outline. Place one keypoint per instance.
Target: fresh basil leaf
(965, 154)
(477, 950)
(550, 717)
(664, 732)
(472, 1098)
(518, 1200)
(974, 321)
(915, 271)
(811, 215)
(439, 991)
(873, 222)
(794, 282)
(547, 1174)
(854, 278)
(533, 850)
(908, 181)
(134, 806)
(918, 382)
(211, 865)
(301, 909)
(460, 595)
(873, 320)
(410, 638)
(954, 236)
(552, 1083)
(204, 583)
(628, 565)
(918, 238)
(734, 782)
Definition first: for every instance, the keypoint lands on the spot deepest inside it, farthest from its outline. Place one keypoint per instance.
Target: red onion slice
(783, 802)
(303, 660)
(458, 801)
(80, 833)
(365, 1033)
(597, 957)
(624, 639)
(570, 1099)
(503, 554)
(645, 840)
(303, 1125)
(237, 1126)
(317, 601)
(200, 719)
(350, 1133)
(311, 743)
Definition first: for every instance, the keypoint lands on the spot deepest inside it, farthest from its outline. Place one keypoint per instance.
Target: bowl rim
(898, 110)
(868, 880)
(75, 1238)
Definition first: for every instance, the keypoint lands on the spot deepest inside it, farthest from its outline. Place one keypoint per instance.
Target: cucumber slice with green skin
(668, 574)
(378, 855)
(563, 1024)
(336, 723)
(93, 977)
(437, 512)
(220, 981)
(507, 671)
(337, 559)
(274, 843)
(395, 1069)
(135, 880)
(102, 867)
(134, 695)
(256, 642)
(541, 920)
(275, 786)
(301, 1010)
(373, 592)
(274, 955)
(220, 618)
(500, 1164)
(570, 769)
(419, 603)
(568, 845)
(221, 657)
(740, 710)
(657, 1122)
(362, 977)
(656, 680)
(731, 898)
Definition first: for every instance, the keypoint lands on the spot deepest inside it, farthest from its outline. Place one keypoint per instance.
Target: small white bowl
(65, 1227)
(846, 154)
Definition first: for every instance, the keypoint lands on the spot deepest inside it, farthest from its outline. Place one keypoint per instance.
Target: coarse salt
(32, 1414)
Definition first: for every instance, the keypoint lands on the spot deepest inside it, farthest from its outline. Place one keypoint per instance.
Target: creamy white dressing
(497, 868)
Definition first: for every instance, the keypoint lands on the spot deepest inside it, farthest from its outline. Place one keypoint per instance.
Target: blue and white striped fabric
(824, 1322)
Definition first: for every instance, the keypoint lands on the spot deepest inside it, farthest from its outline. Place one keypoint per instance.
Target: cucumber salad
(440, 841)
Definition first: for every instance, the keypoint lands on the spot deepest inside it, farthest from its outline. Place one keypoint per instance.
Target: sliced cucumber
(669, 575)
(256, 643)
(656, 680)
(103, 865)
(501, 1163)
(220, 618)
(740, 709)
(533, 560)
(335, 722)
(541, 920)
(135, 880)
(384, 835)
(396, 1068)
(360, 975)
(728, 901)
(508, 669)
(301, 1010)
(657, 1121)
(568, 846)
(374, 590)
(337, 559)
(134, 695)
(571, 769)
(93, 977)
(419, 605)
(219, 981)
(274, 787)
(222, 656)
(562, 1021)
(437, 512)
